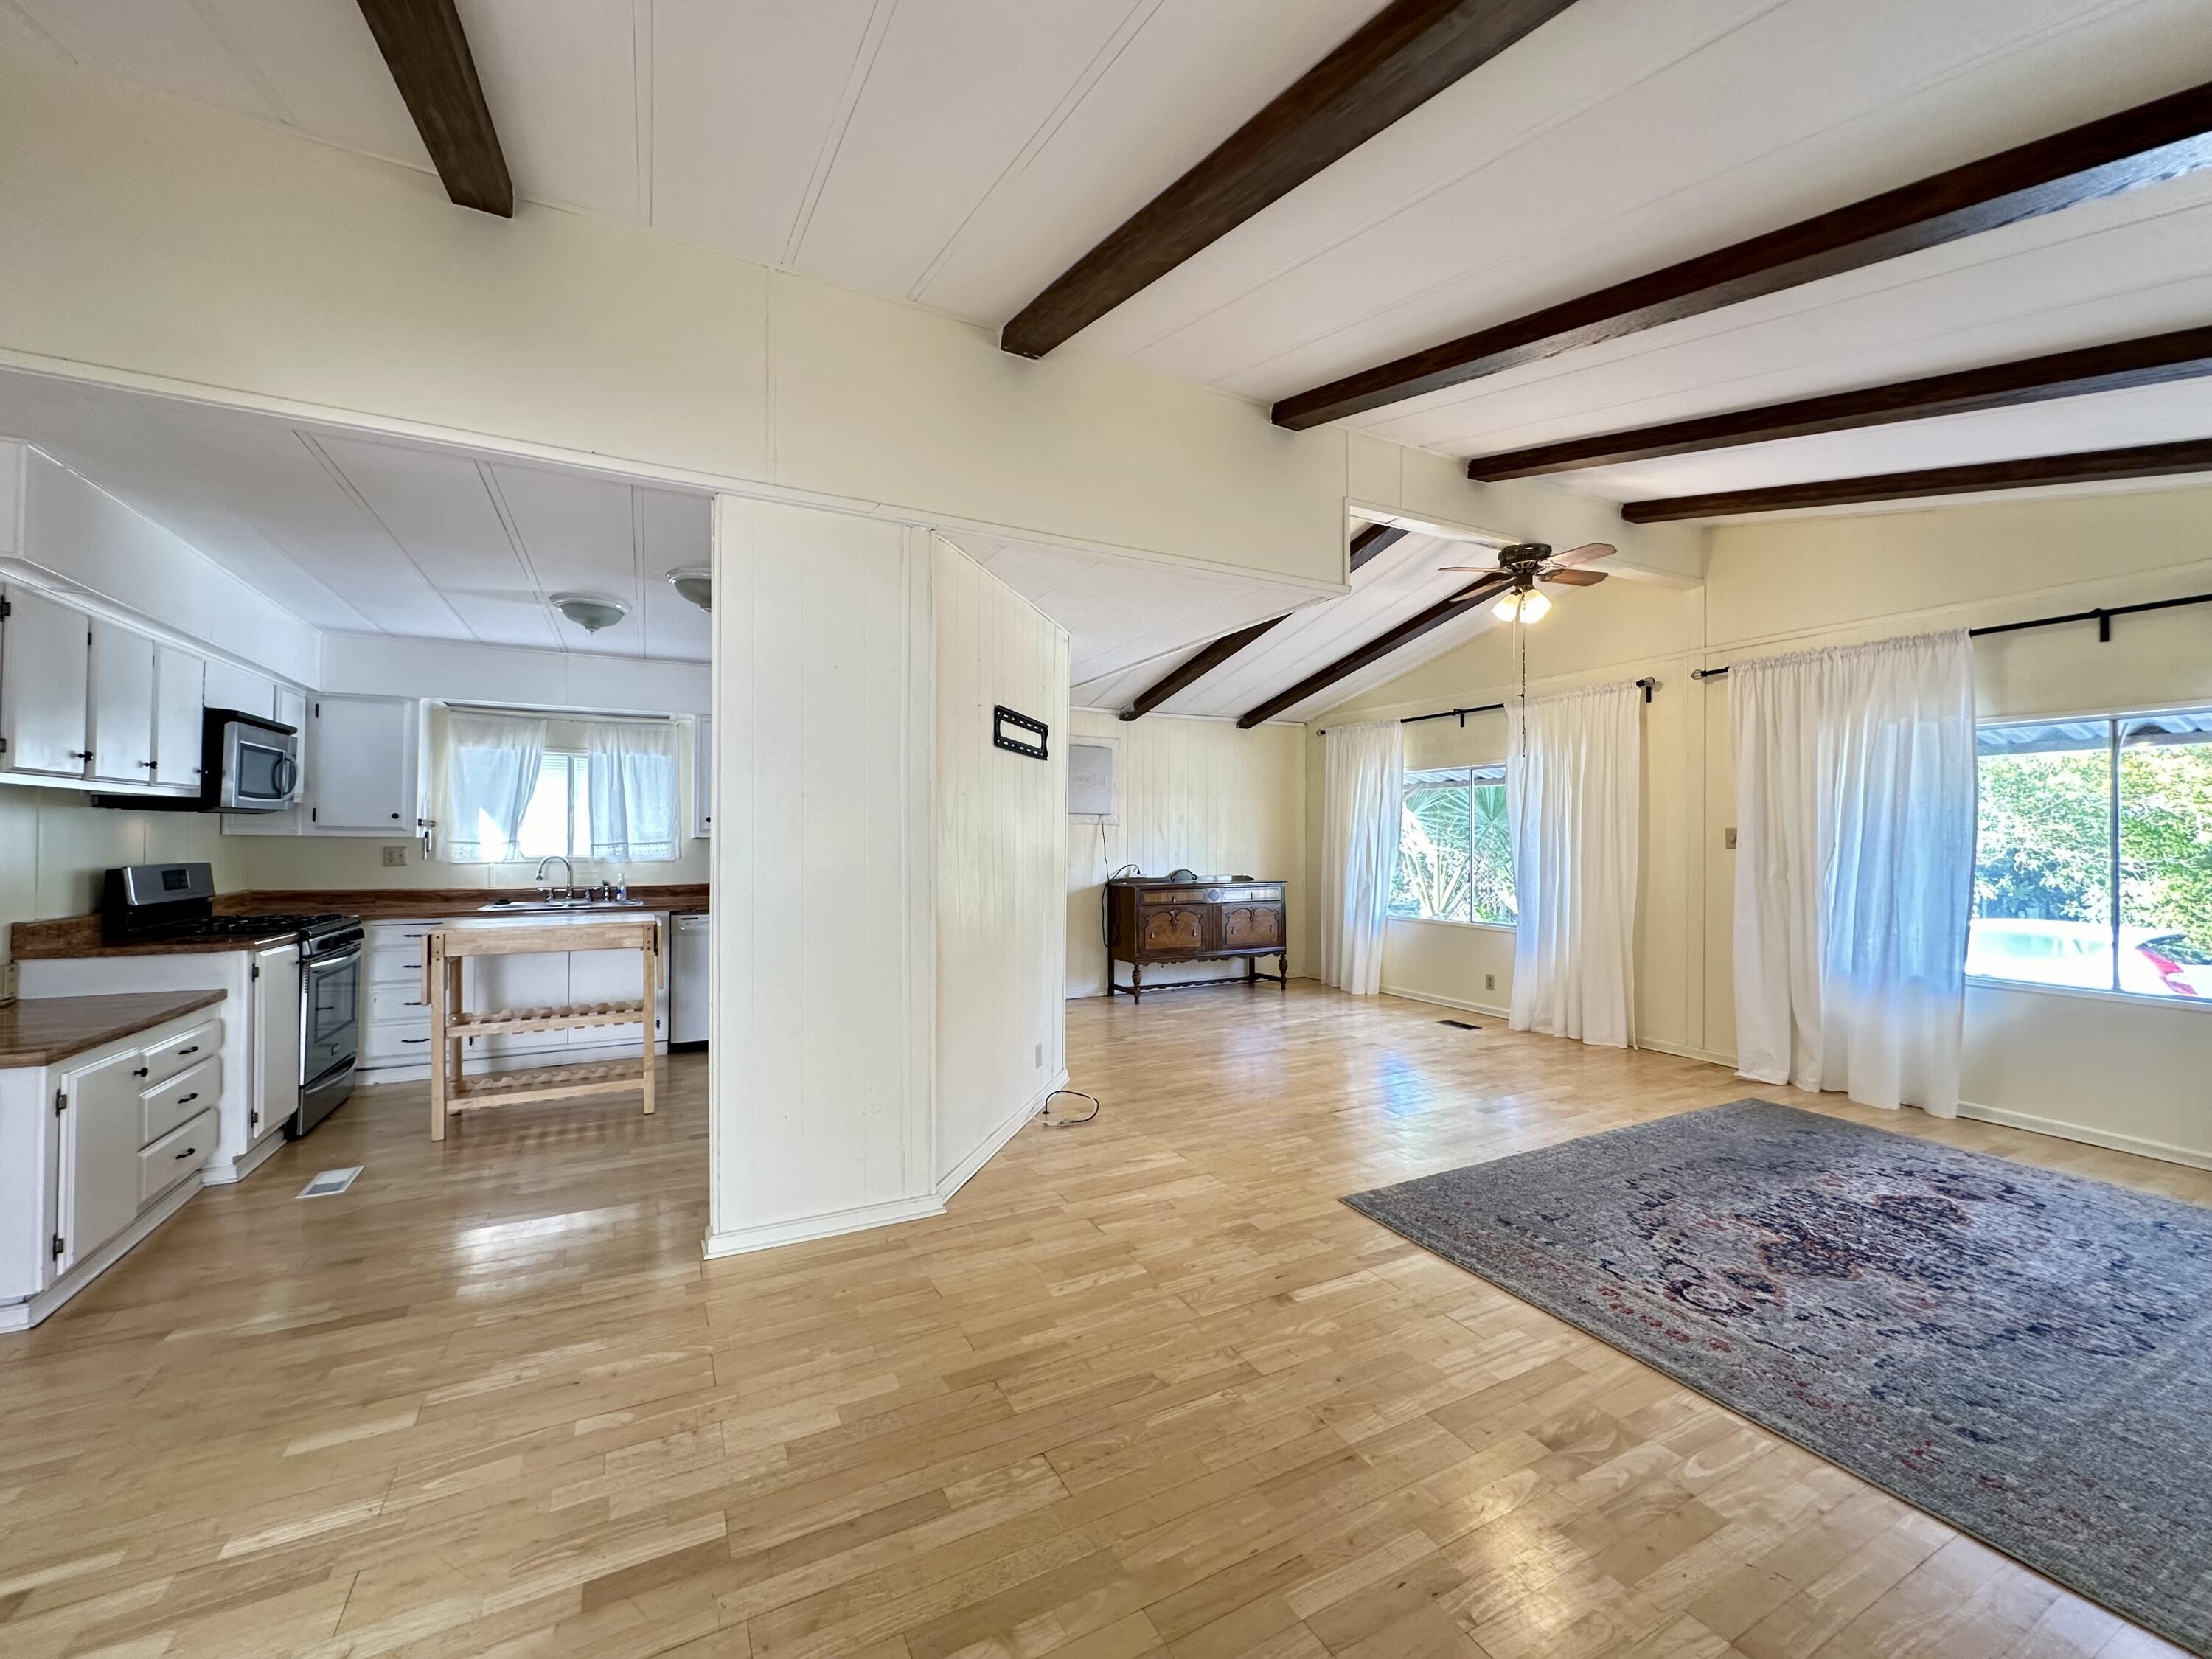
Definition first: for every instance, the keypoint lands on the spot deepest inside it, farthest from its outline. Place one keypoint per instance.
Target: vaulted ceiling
(963, 153)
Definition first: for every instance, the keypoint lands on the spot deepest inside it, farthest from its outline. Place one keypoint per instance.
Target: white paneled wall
(1002, 1015)
(1194, 793)
(824, 960)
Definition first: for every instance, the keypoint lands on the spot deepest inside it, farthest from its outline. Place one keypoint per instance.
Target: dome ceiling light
(591, 612)
(695, 583)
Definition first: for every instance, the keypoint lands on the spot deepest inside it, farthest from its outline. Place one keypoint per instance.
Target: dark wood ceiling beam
(2183, 355)
(1375, 649)
(428, 52)
(2090, 466)
(2154, 142)
(1394, 63)
(1373, 540)
(1195, 670)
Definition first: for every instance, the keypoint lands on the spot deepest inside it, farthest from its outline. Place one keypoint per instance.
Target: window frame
(1480, 775)
(2112, 719)
(570, 760)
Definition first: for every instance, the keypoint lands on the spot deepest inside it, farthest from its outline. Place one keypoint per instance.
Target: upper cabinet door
(44, 662)
(362, 754)
(178, 676)
(122, 705)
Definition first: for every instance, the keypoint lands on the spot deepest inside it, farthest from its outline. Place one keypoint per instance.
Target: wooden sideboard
(1150, 919)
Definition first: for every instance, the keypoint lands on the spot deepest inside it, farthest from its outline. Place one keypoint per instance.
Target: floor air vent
(331, 1182)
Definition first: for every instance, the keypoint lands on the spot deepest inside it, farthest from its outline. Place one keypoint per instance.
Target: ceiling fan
(1525, 563)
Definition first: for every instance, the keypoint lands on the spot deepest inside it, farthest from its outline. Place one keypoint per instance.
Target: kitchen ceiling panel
(675, 531)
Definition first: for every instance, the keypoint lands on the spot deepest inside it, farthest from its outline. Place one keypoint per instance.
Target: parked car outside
(2153, 960)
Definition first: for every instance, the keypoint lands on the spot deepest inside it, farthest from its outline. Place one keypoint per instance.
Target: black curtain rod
(2102, 616)
(1647, 685)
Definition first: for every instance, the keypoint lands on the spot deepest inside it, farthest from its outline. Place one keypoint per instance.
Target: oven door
(330, 1013)
(259, 769)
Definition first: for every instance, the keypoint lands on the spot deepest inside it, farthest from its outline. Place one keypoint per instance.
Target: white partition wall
(822, 1067)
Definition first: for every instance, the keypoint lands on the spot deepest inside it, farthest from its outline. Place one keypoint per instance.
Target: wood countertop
(39, 1031)
(407, 903)
(79, 936)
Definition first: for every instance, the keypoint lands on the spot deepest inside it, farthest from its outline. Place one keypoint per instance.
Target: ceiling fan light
(695, 583)
(1519, 606)
(591, 612)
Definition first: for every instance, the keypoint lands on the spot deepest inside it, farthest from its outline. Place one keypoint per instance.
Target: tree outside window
(1455, 847)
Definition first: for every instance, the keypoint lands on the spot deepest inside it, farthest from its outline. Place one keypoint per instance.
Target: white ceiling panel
(360, 534)
(168, 44)
(317, 65)
(1174, 82)
(562, 80)
(956, 93)
(739, 128)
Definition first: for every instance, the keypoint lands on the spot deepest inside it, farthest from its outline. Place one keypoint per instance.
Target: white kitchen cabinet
(702, 777)
(291, 710)
(276, 997)
(120, 709)
(179, 677)
(45, 660)
(362, 750)
(229, 686)
(100, 1138)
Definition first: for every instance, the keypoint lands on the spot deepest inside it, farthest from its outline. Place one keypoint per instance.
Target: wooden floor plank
(1148, 1388)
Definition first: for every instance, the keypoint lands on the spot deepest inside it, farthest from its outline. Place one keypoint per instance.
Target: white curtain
(1364, 777)
(635, 793)
(1855, 868)
(1572, 795)
(490, 770)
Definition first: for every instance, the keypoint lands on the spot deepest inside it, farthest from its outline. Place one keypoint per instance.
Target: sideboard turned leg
(1136, 981)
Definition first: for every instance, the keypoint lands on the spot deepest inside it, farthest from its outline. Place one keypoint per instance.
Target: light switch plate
(1728, 835)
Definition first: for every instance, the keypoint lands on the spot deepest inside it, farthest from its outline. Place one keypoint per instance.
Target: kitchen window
(2093, 856)
(558, 820)
(1454, 848)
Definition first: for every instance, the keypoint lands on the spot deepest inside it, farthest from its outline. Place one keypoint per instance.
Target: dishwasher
(690, 1010)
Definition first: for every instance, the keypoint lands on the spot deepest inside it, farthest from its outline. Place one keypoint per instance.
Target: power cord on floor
(1044, 1113)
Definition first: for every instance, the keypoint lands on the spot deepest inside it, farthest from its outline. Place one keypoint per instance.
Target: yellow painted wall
(2118, 1072)
(1194, 793)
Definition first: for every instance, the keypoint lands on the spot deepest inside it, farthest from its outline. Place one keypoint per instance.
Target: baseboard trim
(1726, 1062)
(958, 1175)
(743, 1241)
(2162, 1150)
(21, 1315)
(224, 1174)
(800, 1230)
(1435, 1001)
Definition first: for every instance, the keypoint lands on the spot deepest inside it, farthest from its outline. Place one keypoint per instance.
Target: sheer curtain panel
(1572, 774)
(635, 793)
(1364, 774)
(490, 771)
(1855, 868)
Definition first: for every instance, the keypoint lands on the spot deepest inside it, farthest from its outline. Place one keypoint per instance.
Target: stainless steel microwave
(249, 764)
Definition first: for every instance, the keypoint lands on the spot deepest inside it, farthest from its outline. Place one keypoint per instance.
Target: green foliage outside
(2046, 845)
(1456, 852)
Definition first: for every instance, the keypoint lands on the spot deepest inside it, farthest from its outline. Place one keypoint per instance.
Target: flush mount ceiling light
(591, 612)
(695, 583)
(1521, 604)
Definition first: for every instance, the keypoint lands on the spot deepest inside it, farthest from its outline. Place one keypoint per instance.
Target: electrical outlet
(1490, 981)
(395, 858)
(1040, 1056)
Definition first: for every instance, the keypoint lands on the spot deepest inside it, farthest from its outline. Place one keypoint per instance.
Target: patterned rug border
(1654, 1355)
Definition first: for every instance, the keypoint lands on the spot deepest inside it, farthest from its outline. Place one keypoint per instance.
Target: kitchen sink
(533, 904)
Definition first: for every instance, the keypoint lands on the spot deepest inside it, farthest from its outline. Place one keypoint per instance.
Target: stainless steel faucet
(567, 869)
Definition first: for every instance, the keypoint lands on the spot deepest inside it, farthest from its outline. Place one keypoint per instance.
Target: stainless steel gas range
(149, 903)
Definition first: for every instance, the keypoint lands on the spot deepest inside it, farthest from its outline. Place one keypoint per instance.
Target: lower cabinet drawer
(399, 1004)
(183, 1096)
(391, 1044)
(174, 1156)
(163, 1061)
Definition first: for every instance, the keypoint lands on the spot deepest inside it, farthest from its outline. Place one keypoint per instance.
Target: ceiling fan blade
(1571, 577)
(1474, 569)
(1588, 553)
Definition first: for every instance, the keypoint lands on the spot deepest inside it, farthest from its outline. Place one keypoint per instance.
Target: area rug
(2027, 1356)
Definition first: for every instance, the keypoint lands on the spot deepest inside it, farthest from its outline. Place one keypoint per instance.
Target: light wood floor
(1149, 1388)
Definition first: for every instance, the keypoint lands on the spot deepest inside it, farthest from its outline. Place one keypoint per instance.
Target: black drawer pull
(186, 1100)
(194, 1050)
(188, 1152)
(414, 1039)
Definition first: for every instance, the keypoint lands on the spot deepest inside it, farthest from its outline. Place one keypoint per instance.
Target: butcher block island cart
(452, 1091)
